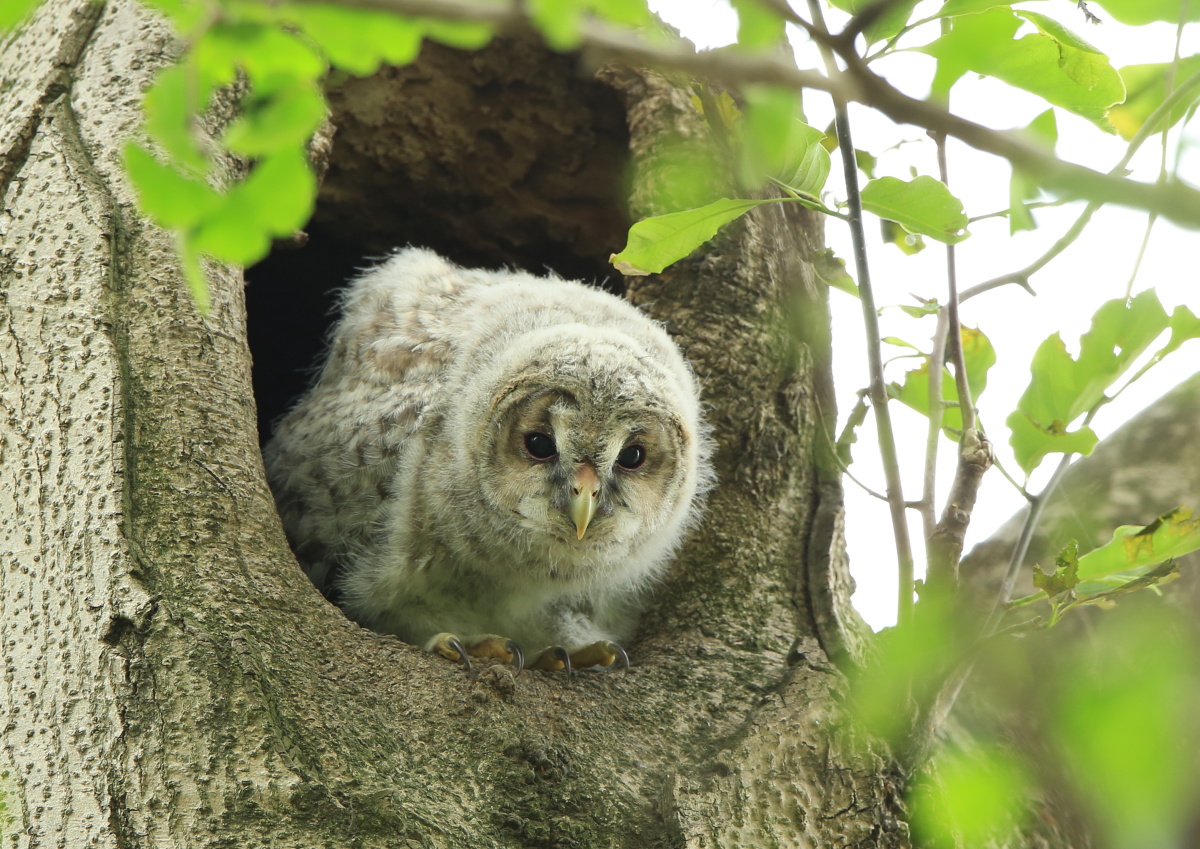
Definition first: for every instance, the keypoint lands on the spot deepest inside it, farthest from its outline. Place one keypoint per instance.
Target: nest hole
(512, 156)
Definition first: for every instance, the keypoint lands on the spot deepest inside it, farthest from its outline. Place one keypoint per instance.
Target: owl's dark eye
(540, 445)
(631, 457)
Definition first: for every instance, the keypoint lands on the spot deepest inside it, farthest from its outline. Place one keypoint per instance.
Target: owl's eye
(540, 445)
(631, 457)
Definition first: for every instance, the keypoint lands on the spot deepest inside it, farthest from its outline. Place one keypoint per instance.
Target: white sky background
(1096, 268)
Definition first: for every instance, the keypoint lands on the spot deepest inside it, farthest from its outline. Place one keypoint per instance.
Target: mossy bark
(171, 678)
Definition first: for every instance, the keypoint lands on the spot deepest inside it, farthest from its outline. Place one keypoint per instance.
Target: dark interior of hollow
(507, 157)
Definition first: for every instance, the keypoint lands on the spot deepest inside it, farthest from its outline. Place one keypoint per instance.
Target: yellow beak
(585, 489)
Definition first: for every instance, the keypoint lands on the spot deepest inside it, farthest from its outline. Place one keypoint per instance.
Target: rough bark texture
(170, 677)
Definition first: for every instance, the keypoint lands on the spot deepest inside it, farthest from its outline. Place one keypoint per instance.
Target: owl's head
(590, 453)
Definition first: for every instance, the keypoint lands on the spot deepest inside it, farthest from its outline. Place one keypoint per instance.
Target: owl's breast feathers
(481, 448)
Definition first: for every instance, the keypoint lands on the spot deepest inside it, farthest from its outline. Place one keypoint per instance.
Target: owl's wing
(333, 459)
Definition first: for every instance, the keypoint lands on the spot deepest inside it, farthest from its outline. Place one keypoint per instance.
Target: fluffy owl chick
(491, 456)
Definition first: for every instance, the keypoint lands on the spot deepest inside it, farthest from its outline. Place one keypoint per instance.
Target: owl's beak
(585, 489)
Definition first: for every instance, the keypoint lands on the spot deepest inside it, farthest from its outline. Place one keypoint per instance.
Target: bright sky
(1095, 269)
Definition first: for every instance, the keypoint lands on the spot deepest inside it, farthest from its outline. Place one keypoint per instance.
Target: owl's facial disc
(589, 470)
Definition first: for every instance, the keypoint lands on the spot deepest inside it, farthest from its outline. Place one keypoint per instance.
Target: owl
(490, 460)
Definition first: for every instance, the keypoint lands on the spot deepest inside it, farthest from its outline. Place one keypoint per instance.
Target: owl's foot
(601, 653)
(451, 647)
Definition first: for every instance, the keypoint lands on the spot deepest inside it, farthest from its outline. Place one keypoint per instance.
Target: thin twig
(1005, 213)
(1148, 129)
(937, 359)
(1151, 220)
(878, 391)
(945, 544)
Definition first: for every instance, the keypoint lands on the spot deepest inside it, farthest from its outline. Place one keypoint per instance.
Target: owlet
(491, 459)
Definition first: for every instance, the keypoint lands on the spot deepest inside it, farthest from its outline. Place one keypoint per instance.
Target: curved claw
(456, 644)
(518, 657)
(553, 659)
(561, 654)
(600, 653)
(624, 657)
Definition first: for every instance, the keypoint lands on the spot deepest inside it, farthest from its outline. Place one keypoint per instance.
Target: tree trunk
(170, 676)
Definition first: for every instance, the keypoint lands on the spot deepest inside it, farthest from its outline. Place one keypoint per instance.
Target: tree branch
(1173, 200)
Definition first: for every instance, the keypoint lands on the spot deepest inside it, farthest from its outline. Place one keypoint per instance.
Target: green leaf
(1184, 326)
(558, 21)
(894, 19)
(954, 8)
(849, 434)
(908, 243)
(768, 120)
(164, 194)
(1043, 129)
(978, 355)
(831, 270)
(1134, 547)
(806, 161)
(356, 40)
(866, 162)
(12, 12)
(170, 107)
(1138, 12)
(1146, 87)
(1065, 577)
(1063, 388)
(275, 200)
(1053, 63)
(654, 243)
(286, 119)
(1124, 727)
(926, 307)
(759, 27)
(463, 35)
(1031, 442)
(185, 15)
(626, 13)
(888, 24)
(270, 57)
(969, 799)
(923, 205)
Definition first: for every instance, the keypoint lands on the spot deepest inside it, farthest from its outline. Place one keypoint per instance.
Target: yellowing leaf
(1132, 547)
(1146, 86)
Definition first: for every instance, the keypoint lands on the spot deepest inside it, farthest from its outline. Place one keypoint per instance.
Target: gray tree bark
(170, 678)
(1143, 470)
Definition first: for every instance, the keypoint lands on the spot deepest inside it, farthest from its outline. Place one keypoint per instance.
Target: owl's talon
(456, 644)
(518, 658)
(601, 653)
(552, 660)
(451, 647)
(624, 657)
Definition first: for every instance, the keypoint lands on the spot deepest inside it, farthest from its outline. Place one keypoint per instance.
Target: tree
(172, 678)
